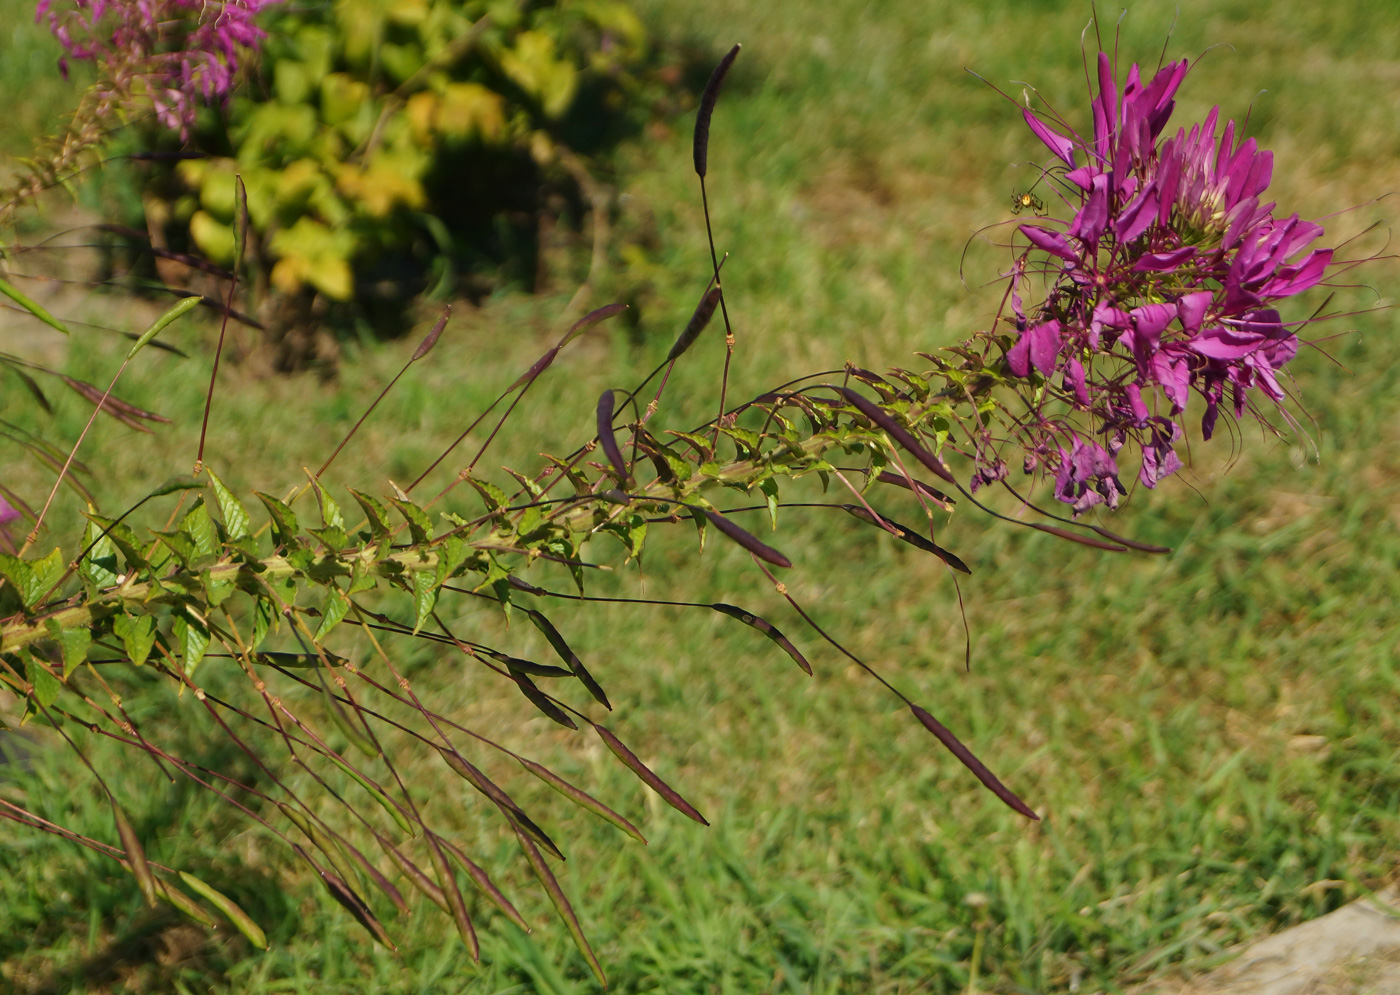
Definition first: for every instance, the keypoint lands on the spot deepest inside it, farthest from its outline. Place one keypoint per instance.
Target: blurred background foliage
(392, 149)
(1211, 736)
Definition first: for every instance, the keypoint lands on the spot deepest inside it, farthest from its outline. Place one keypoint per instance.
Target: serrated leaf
(237, 524)
(74, 644)
(99, 566)
(425, 595)
(45, 574)
(19, 575)
(191, 639)
(46, 685)
(265, 616)
(285, 531)
(179, 543)
(331, 517)
(769, 487)
(420, 526)
(200, 528)
(216, 592)
(360, 578)
(332, 536)
(494, 498)
(336, 607)
(375, 512)
(138, 635)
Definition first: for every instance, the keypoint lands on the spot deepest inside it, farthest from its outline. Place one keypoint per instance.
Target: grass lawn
(1210, 736)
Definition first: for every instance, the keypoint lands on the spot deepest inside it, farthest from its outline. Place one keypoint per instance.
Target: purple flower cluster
(1165, 281)
(173, 52)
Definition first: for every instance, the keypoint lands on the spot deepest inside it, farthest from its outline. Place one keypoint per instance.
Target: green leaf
(333, 537)
(138, 635)
(99, 566)
(285, 531)
(181, 544)
(191, 637)
(32, 307)
(44, 574)
(236, 521)
(265, 617)
(200, 528)
(419, 524)
(217, 591)
(375, 511)
(335, 609)
(46, 685)
(493, 496)
(184, 306)
(19, 575)
(331, 517)
(425, 595)
(73, 642)
(360, 578)
(769, 487)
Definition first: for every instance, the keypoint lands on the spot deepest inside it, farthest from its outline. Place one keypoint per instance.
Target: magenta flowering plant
(175, 53)
(1164, 280)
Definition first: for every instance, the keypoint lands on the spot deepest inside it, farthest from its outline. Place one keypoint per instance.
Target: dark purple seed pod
(978, 768)
(768, 629)
(648, 776)
(901, 435)
(538, 698)
(566, 654)
(426, 346)
(483, 881)
(1112, 547)
(590, 319)
(1142, 547)
(606, 439)
(561, 905)
(347, 897)
(128, 414)
(456, 905)
(707, 108)
(415, 874)
(526, 586)
(918, 486)
(750, 542)
(913, 538)
(704, 311)
(536, 368)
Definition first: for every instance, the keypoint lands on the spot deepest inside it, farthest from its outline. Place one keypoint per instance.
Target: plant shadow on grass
(75, 921)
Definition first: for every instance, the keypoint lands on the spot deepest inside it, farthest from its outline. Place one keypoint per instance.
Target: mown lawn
(1210, 736)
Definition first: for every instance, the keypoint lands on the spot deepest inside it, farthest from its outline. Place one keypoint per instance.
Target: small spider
(1027, 201)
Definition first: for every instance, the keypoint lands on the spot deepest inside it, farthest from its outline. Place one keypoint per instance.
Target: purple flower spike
(1165, 282)
(175, 53)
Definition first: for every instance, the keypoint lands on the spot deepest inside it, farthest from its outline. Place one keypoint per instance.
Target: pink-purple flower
(1165, 281)
(176, 53)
